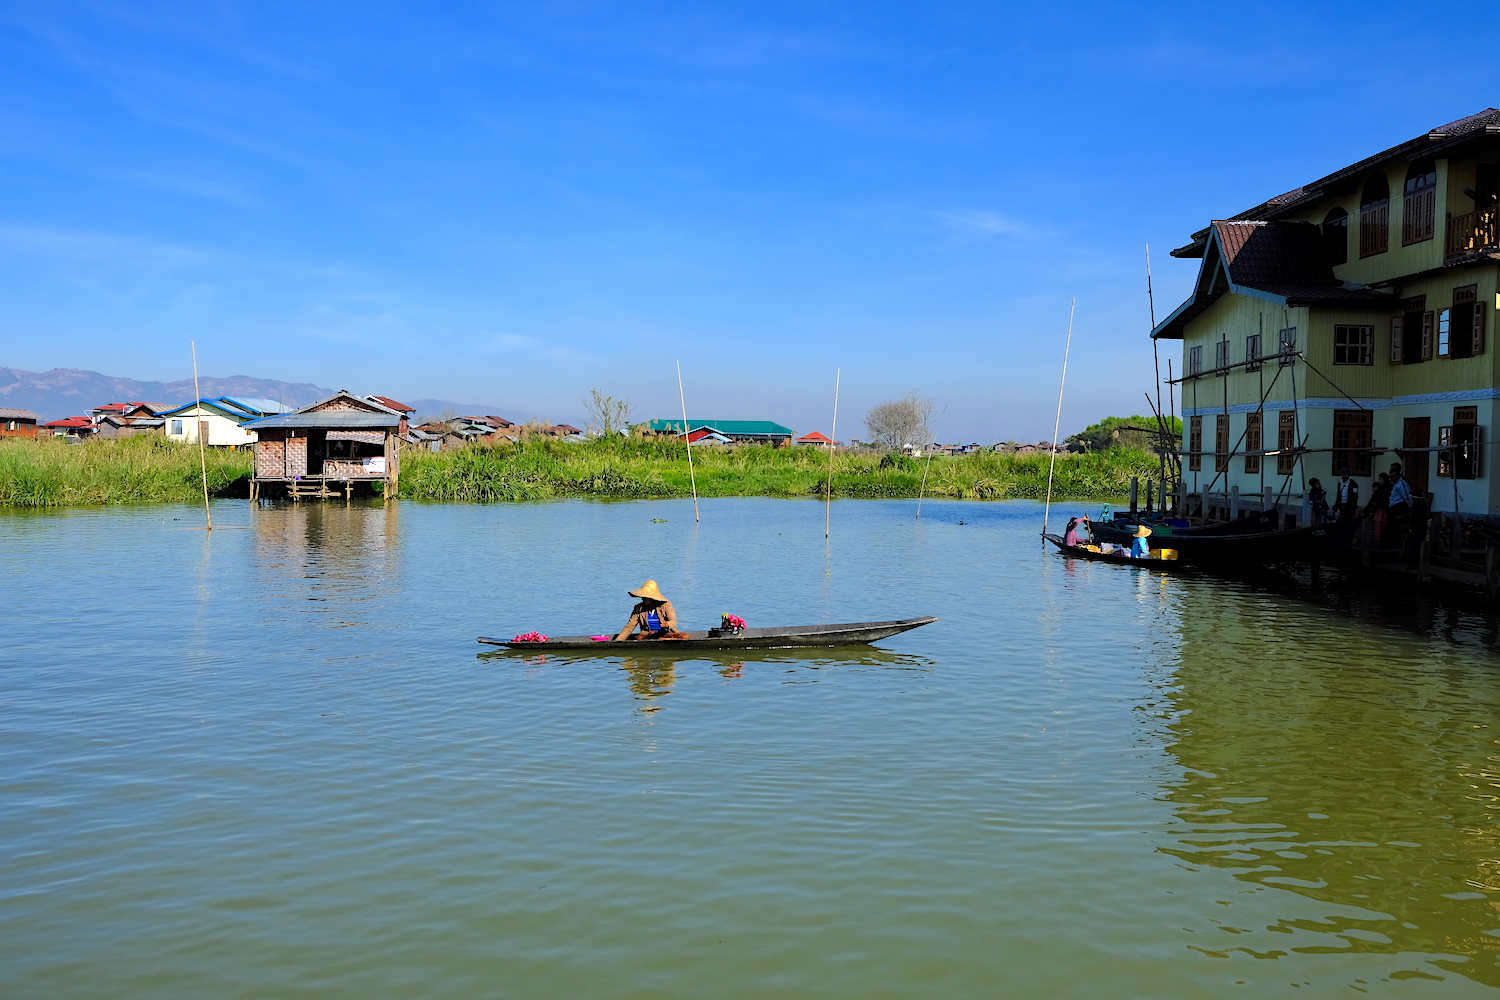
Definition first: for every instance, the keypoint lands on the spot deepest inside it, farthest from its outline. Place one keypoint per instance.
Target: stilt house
(1346, 323)
(327, 447)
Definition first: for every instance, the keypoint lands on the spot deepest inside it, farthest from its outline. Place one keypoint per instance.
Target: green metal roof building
(759, 431)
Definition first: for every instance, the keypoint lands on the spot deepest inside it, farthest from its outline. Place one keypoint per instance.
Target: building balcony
(1473, 231)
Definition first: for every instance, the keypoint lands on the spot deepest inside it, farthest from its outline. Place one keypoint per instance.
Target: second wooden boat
(750, 638)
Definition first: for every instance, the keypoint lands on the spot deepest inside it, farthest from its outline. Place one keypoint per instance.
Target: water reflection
(1364, 775)
(650, 674)
(333, 557)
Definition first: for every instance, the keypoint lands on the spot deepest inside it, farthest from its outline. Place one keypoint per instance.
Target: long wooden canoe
(1111, 557)
(751, 638)
(1121, 530)
(1315, 543)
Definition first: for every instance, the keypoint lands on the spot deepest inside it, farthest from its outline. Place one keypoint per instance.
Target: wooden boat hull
(1250, 524)
(1316, 543)
(1119, 560)
(857, 633)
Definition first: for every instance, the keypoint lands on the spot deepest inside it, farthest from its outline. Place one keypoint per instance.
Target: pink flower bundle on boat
(530, 637)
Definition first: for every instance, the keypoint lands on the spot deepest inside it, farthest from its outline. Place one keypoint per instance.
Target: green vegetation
(50, 472)
(1122, 432)
(149, 470)
(640, 468)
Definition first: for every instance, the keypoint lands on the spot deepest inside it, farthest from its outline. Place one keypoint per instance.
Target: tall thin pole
(1057, 423)
(832, 447)
(202, 455)
(922, 491)
(687, 439)
(1156, 360)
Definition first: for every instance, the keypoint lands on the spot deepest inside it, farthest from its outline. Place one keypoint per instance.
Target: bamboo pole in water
(692, 477)
(1057, 423)
(202, 455)
(922, 491)
(832, 447)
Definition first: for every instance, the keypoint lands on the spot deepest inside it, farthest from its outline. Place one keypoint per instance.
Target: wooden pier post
(1135, 494)
(1234, 502)
(1267, 503)
(1150, 486)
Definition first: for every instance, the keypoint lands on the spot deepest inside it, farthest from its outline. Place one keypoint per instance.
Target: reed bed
(49, 472)
(639, 469)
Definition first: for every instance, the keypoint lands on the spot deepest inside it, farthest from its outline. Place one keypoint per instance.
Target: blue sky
(515, 202)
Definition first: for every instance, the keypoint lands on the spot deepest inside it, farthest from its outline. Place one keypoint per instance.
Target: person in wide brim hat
(653, 618)
(1140, 548)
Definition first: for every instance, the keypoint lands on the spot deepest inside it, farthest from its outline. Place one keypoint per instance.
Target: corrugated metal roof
(748, 428)
(342, 419)
(9, 414)
(256, 405)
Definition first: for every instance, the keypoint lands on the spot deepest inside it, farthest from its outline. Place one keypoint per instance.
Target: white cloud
(984, 224)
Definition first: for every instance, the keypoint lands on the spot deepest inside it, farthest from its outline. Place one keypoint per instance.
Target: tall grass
(49, 472)
(637, 468)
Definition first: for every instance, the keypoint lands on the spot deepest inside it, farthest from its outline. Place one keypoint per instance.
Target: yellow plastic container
(1166, 553)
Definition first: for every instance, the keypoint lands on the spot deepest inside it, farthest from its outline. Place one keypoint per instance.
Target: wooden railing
(1473, 231)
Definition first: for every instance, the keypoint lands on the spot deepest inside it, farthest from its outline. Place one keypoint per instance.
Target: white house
(221, 417)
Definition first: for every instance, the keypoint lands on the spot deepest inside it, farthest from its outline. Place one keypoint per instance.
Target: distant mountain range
(67, 392)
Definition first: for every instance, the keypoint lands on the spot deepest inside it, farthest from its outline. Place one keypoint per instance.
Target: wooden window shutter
(1396, 322)
(1479, 328)
(1427, 336)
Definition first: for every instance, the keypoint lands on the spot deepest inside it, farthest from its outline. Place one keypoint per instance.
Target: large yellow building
(1347, 323)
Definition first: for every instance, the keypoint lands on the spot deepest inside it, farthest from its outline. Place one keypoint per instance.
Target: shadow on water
(1392, 601)
(1364, 777)
(651, 674)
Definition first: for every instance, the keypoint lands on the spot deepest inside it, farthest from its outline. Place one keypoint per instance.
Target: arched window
(1375, 216)
(1336, 235)
(1417, 203)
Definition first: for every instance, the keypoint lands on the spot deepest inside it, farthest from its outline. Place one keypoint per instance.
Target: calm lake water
(274, 763)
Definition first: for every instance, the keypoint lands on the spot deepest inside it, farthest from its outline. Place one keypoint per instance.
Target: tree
(901, 422)
(607, 415)
(1123, 432)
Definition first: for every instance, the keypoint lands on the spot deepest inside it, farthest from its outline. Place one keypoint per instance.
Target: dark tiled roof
(1278, 260)
(1440, 141)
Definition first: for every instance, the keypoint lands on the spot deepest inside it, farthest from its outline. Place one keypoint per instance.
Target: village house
(219, 421)
(738, 431)
(77, 428)
(327, 447)
(114, 420)
(17, 423)
(1346, 324)
(817, 439)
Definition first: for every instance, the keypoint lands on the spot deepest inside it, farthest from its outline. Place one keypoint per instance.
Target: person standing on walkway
(1317, 499)
(1378, 507)
(1399, 515)
(1345, 496)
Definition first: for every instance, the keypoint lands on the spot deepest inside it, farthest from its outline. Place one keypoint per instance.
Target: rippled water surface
(273, 762)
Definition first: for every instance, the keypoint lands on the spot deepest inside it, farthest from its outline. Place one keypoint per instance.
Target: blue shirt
(652, 621)
(1400, 492)
(1140, 549)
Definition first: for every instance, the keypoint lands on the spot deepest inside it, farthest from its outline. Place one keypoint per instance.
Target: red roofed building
(401, 408)
(73, 427)
(817, 438)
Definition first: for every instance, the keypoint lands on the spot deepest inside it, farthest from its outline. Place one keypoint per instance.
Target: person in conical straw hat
(652, 618)
(1140, 548)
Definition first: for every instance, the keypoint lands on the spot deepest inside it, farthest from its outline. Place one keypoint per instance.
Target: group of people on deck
(1391, 508)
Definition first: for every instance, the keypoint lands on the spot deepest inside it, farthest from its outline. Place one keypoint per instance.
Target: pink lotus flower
(530, 637)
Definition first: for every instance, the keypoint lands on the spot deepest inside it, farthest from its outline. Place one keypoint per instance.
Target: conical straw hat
(648, 591)
(1142, 531)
